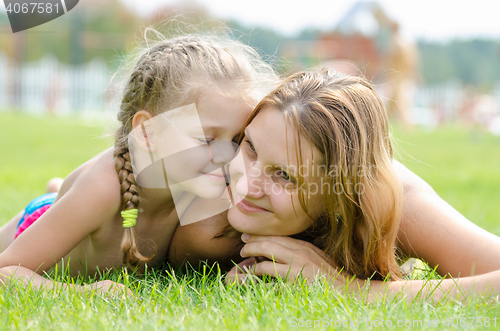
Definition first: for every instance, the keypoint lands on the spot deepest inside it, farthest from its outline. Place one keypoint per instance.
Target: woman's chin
(238, 227)
(244, 224)
(241, 227)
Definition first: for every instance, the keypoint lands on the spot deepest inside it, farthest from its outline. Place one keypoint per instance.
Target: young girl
(317, 164)
(101, 218)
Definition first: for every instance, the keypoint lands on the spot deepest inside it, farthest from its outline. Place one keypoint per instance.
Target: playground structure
(368, 42)
(370, 39)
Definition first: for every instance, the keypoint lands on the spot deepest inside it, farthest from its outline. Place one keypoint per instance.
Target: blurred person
(403, 59)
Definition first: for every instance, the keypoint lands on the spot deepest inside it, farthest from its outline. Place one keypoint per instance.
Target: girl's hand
(287, 258)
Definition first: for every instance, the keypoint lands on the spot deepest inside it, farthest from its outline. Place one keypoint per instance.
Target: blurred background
(433, 62)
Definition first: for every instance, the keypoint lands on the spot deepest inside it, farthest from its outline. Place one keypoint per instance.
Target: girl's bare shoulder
(98, 175)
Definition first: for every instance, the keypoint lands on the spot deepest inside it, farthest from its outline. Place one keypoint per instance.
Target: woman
(317, 163)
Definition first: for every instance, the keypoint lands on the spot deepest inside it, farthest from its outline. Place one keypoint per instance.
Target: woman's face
(264, 181)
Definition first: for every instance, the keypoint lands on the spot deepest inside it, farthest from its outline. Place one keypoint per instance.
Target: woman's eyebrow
(273, 164)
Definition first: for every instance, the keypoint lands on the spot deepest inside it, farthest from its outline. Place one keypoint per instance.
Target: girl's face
(264, 180)
(197, 143)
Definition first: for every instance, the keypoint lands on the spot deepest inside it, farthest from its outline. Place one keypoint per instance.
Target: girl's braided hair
(168, 74)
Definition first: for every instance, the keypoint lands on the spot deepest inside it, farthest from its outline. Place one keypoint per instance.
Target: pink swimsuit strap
(30, 219)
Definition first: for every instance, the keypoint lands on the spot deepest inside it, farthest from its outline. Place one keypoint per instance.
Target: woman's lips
(248, 207)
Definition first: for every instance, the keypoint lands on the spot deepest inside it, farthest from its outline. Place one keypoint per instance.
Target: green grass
(35, 149)
(461, 166)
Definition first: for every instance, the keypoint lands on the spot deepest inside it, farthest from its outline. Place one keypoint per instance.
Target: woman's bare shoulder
(434, 231)
(410, 181)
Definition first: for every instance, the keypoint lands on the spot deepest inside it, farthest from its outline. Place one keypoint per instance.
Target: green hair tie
(129, 217)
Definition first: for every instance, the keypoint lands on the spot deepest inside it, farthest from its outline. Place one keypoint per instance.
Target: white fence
(50, 86)
(442, 103)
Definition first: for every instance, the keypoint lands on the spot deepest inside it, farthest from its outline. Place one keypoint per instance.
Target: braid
(130, 197)
(130, 200)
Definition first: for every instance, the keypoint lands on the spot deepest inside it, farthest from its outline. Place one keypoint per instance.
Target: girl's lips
(215, 177)
(248, 207)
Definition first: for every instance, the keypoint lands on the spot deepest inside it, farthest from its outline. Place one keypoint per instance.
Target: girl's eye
(205, 141)
(250, 145)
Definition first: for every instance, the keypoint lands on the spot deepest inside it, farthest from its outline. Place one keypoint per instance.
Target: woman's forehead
(280, 141)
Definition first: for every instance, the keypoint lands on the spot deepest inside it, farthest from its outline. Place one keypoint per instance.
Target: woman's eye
(284, 175)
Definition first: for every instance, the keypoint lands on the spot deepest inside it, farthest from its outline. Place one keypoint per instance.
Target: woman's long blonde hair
(344, 118)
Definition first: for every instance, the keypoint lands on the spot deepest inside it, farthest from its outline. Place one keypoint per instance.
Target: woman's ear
(143, 130)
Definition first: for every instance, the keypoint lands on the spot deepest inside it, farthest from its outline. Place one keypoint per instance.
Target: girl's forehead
(229, 90)
(216, 97)
(218, 110)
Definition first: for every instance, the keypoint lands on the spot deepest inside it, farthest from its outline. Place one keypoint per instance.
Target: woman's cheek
(282, 206)
(292, 218)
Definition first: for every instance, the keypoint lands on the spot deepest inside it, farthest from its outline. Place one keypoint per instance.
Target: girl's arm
(200, 241)
(93, 200)
(28, 277)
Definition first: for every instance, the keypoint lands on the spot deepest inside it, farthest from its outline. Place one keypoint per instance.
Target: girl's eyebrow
(212, 128)
(245, 134)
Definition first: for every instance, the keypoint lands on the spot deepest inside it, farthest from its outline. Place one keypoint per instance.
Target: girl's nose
(221, 152)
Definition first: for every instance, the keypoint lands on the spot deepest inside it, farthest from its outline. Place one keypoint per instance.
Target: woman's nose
(246, 177)
(251, 184)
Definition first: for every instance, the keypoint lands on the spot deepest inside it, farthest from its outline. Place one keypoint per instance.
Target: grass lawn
(461, 166)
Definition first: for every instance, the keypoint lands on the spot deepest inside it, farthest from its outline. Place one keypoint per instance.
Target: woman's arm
(288, 258)
(435, 232)
(436, 290)
(430, 229)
